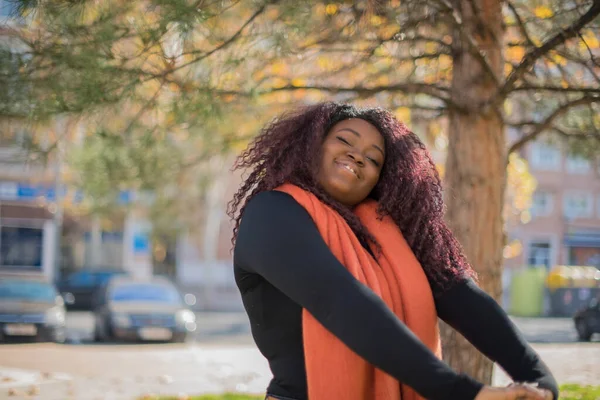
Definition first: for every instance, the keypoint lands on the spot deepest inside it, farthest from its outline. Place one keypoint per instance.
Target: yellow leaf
(383, 80)
(441, 168)
(515, 53)
(273, 13)
(278, 68)
(508, 108)
(376, 20)
(388, 31)
(298, 82)
(430, 47)
(403, 114)
(381, 52)
(543, 12)
(590, 39)
(429, 79)
(445, 61)
(558, 59)
(325, 63)
(278, 83)
(331, 9)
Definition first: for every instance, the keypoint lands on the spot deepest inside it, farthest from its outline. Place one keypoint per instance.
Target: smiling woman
(352, 156)
(344, 263)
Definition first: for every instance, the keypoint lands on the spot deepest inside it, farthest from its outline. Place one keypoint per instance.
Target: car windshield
(27, 291)
(145, 292)
(92, 278)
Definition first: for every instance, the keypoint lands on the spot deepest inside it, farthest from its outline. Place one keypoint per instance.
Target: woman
(344, 263)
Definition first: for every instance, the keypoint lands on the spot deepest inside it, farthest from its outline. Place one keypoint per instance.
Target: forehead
(365, 129)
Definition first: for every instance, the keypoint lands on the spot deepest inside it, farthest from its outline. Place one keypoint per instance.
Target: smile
(348, 167)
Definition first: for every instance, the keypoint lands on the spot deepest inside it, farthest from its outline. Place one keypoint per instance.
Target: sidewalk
(126, 372)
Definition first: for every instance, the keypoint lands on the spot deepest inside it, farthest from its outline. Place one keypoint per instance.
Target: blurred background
(120, 122)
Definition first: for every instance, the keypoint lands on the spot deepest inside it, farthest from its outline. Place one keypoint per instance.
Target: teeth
(350, 169)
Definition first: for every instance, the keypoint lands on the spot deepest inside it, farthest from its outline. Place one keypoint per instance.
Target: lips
(349, 167)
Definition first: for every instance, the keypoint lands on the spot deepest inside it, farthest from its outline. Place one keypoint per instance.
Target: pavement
(222, 357)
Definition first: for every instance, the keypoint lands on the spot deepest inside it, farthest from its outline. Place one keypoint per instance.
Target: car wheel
(583, 331)
(179, 338)
(97, 337)
(60, 335)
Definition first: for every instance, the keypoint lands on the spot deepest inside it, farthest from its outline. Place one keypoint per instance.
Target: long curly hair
(409, 188)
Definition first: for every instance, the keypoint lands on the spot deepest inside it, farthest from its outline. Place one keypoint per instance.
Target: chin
(341, 193)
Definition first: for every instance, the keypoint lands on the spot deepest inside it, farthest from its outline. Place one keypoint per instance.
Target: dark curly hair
(409, 188)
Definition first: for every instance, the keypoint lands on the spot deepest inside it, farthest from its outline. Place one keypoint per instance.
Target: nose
(357, 158)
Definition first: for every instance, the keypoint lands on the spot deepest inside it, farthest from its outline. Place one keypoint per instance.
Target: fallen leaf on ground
(33, 390)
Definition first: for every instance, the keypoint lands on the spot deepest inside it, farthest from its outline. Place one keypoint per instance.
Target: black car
(78, 287)
(31, 308)
(147, 310)
(587, 320)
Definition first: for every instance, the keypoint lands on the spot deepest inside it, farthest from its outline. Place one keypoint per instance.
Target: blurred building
(564, 225)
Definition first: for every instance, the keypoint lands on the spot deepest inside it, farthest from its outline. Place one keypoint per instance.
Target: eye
(341, 139)
(374, 161)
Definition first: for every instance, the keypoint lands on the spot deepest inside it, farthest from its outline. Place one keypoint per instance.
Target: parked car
(587, 320)
(147, 310)
(78, 287)
(31, 308)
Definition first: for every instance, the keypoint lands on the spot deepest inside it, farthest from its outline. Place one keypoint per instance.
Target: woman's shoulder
(270, 201)
(275, 209)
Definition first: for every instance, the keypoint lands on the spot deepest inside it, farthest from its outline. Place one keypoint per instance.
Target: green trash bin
(527, 292)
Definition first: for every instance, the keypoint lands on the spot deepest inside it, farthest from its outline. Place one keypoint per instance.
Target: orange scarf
(333, 370)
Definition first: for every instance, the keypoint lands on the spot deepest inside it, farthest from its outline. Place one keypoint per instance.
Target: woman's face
(352, 156)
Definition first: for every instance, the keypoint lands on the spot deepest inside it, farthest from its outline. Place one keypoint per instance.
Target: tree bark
(476, 163)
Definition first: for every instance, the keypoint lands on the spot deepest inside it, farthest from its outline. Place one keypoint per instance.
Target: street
(221, 358)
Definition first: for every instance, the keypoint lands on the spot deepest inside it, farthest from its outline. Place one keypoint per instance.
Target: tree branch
(559, 89)
(534, 54)
(547, 123)
(520, 23)
(437, 92)
(228, 42)
(575, 135)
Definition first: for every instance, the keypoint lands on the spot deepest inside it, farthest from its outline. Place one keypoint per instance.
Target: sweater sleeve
(479, 318)
(278, 240)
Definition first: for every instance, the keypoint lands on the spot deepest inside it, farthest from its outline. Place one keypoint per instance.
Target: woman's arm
(279, 240)
(480, 319)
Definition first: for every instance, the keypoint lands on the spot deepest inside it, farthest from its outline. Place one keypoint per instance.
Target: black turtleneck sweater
(282, 265)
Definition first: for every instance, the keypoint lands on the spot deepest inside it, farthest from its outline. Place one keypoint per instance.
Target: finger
(520, 392)
(548, 395)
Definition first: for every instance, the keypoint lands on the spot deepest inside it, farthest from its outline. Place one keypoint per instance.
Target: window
(21, 247)
(577, 165)
(545, 156)
(539, 254)
(578, 205)
(542, 203)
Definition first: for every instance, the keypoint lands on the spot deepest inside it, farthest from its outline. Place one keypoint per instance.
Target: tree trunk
(476, 164)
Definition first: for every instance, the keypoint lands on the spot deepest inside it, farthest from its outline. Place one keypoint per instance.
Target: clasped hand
(514, 392)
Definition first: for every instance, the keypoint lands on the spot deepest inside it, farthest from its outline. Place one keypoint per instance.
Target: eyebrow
(358, 134)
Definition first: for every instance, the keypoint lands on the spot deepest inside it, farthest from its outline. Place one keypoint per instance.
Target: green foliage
(567, 392)
(226, 396)
(107, 163)
(579, 392)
